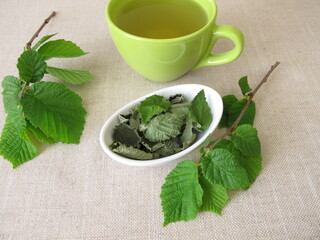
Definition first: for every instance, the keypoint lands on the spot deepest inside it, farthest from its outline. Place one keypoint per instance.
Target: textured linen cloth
(78, 192)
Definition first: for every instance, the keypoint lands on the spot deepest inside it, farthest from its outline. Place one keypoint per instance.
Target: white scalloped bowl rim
(189, 91)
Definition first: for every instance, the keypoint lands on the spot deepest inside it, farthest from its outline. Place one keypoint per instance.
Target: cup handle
(223, 31)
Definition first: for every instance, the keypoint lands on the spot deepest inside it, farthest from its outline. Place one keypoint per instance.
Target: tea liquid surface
(161, 19)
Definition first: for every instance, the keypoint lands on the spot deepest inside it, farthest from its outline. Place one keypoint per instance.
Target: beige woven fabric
(77, 192)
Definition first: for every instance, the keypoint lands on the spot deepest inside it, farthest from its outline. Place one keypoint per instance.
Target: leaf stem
(25, 85)
(251, 95)
(46, 21)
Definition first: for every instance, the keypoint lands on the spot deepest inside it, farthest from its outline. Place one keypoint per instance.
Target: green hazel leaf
(56, 110)
(175, 99)
(70, 76)
(169, 147)
(15, 145)
(215, 197)
(11, 88)
(227, 100)
(246, 140)
(188, 136)
(162, 127)
(42, 40)
(219, 166)
(236, 108)
(31, 66)
(252, 165)
(181, 109)
(60, 49)
(181, 194)
(244, 86)
(200, 112)
(132, 152)
(39, 134)
(152, 106)
(126, 135)
(16, 120)
(227, 144)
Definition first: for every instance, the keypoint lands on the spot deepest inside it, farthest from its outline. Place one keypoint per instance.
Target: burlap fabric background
(77, 192)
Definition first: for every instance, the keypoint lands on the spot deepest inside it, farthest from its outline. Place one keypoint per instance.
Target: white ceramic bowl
(189, 91)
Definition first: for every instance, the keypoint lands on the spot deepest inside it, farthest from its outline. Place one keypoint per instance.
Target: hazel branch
(28, 45)
(250, 97)
(46, 21)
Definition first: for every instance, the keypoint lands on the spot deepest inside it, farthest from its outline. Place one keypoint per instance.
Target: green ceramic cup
(164, 60)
